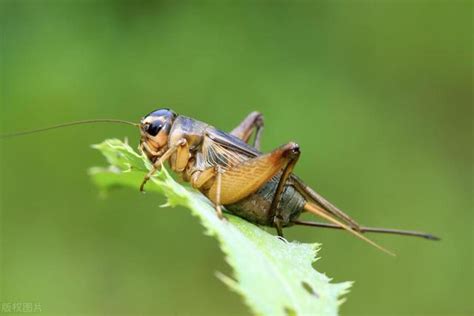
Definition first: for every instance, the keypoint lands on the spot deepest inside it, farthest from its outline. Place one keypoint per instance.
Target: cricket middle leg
(253, 121)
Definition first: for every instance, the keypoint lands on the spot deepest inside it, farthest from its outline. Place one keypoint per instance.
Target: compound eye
(154, 128)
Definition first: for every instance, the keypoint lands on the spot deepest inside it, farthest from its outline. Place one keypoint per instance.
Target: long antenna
(39, 130)
(363, 229)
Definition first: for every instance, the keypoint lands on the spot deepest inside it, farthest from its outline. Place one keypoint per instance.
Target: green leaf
(274, 277)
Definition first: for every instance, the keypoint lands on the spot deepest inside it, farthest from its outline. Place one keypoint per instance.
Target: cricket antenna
(39, 130)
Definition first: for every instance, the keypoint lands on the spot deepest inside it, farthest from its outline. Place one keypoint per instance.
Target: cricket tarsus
(364, 229)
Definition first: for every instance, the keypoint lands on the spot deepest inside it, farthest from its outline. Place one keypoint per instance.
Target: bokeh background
(377, 93)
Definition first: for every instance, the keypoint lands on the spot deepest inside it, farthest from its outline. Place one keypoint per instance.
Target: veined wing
(220, 148)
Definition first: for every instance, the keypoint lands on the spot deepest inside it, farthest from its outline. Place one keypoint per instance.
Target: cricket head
(154, 129)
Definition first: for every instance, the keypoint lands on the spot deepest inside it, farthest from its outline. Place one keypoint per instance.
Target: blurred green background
(377, 93)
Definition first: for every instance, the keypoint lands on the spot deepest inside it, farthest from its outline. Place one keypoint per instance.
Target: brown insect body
(259, 187)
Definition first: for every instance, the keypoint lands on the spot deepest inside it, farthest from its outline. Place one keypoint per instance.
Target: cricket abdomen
(256, 207)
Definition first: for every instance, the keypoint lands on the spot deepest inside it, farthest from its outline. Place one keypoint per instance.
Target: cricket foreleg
(144, 147)
(254, 121)
(157, 164)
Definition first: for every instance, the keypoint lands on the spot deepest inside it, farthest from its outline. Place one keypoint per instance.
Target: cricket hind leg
(254, 121)
(293, 153)
(244, 179)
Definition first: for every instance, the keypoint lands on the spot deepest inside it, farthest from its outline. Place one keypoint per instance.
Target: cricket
(231, 171)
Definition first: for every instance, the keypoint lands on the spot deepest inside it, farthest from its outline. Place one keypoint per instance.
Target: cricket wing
(225, 150)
